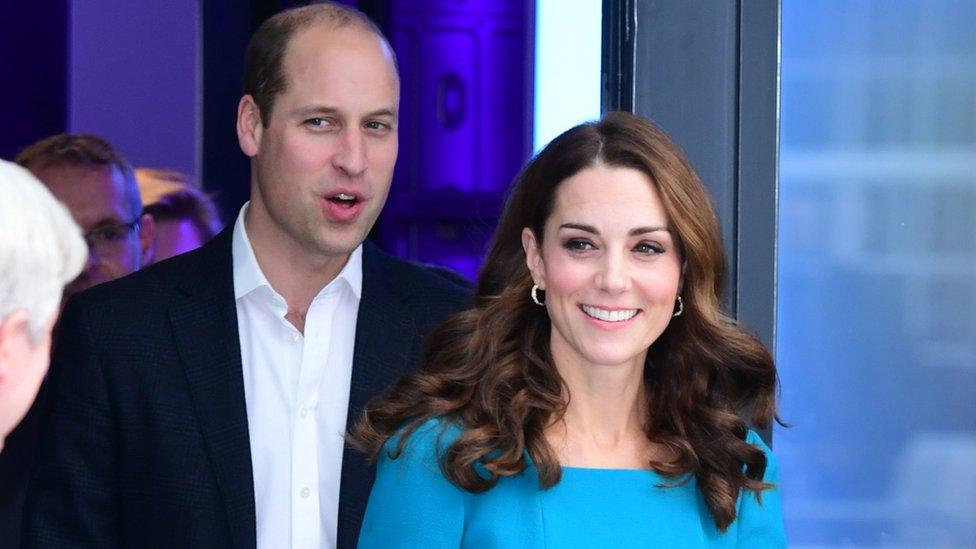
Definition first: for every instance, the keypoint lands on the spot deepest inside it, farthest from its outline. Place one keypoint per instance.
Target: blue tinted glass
(876, 339)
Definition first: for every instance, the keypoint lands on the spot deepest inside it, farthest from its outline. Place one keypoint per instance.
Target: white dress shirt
(296, 390)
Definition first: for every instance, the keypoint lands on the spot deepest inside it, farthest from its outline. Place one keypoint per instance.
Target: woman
(589, 399)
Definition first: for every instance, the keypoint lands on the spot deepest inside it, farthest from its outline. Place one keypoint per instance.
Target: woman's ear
(533, 257)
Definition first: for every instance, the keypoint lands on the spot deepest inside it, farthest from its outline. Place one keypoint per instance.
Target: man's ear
(249, 126)
(533, 257)
(147, 239)
(14, 335)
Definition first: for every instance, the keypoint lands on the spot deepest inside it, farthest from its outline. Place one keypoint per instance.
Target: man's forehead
(91, 192)
(321, 39)
(72, 174)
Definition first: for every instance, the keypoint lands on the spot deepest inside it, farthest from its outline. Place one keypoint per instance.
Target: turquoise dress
(414, 505)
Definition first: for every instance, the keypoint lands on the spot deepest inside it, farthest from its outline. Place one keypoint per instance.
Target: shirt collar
(352, 273)
(248, 276)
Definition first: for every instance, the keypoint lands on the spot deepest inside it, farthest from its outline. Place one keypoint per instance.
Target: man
(99, 188)
(41, 250)
(201, 402)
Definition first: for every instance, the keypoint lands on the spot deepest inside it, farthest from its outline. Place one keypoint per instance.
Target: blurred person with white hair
(41, 250)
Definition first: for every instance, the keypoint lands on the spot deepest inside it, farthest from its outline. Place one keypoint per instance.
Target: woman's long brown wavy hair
(489, 368)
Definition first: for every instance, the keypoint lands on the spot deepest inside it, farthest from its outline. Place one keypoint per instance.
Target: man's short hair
(41, 248)
(169, 195)
(83, 151)
(264, 74)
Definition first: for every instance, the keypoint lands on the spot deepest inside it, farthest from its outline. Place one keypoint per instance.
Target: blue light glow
(567, 66)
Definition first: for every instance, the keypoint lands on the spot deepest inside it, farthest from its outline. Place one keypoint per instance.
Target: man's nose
(351, 154)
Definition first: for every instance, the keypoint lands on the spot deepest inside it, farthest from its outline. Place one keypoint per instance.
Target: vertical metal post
(707, 72)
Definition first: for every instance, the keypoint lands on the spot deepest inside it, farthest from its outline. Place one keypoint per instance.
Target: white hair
(41, 247)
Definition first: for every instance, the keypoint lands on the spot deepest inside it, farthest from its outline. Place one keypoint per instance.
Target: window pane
(876, 335)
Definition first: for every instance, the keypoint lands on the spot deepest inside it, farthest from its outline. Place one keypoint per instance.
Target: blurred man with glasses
(99, 188)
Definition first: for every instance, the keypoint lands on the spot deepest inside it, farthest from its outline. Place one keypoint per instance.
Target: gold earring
(535, 296)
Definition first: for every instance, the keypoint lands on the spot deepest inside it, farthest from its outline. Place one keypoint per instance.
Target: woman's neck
(603, 426)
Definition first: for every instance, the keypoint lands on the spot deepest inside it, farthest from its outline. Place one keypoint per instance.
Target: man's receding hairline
(352, 24)
(331, 18)
(359, 26)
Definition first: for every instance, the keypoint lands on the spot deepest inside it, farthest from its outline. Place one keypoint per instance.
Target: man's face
(322, 166)
(96, 197)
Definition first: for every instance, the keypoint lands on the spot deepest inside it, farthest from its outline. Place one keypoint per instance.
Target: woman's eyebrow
(594, 230)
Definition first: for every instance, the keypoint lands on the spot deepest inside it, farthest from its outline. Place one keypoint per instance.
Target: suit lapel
(384, 338)
(385, 332)
(204, 324)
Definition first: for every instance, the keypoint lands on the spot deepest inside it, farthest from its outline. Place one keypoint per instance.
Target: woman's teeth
(609, 316)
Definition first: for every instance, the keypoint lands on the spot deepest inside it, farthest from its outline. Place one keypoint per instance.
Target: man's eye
(377, 126)
(111, 234)
(317, 122)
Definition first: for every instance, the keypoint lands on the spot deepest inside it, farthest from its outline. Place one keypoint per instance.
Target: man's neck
(294, 272)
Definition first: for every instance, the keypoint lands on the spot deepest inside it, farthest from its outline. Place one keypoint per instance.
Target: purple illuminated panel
(463, 118)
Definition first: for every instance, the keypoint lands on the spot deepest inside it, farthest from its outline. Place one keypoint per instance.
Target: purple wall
(134, 78)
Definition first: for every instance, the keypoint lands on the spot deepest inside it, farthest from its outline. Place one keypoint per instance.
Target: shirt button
(305, 492)
(303, 412)
(294, 337)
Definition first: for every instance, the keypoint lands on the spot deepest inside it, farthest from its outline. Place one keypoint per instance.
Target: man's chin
(339, 243)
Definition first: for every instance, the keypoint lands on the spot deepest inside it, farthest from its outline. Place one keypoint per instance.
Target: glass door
(876, 330)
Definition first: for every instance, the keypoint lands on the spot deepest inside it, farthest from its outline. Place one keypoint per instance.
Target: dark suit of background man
(200, 402)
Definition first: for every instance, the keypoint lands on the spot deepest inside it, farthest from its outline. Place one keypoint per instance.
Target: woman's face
(609, 265)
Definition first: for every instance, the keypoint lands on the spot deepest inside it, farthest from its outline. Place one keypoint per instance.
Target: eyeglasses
(108, 238)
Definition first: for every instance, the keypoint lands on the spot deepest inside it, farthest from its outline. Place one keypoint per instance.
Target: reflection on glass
(876, 335)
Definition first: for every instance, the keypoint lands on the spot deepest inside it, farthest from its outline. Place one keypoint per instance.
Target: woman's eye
(578, 245)
(648, 248)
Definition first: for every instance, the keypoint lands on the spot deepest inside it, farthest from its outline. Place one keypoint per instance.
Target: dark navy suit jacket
(146, 443)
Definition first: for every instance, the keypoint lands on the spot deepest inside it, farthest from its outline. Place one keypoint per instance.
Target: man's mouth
(618, 315)
(344, 200)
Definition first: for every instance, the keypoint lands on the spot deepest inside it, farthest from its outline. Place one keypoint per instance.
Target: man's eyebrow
(382, 112)
(633, 232)
(107, 222)
(316, 109)
(325, 109)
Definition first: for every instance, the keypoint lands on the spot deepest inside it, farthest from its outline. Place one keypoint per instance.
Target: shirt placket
(306, 512)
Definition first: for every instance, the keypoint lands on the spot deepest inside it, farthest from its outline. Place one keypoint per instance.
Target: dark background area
(465, 108)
